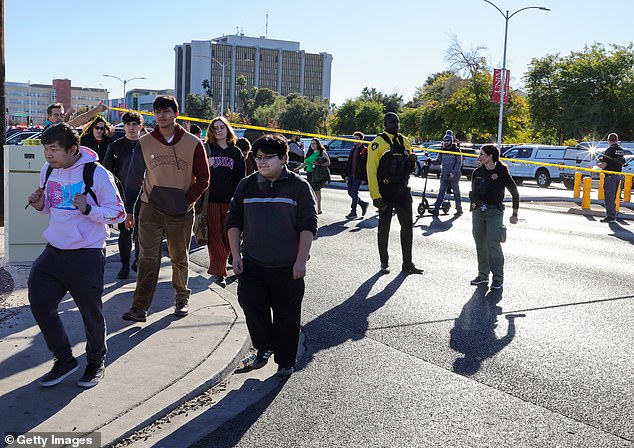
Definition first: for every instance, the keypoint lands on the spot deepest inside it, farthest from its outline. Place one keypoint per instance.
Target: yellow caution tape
(345, 139)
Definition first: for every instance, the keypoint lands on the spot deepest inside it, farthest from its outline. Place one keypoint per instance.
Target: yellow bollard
(627, 190)
(601, 192)
(618, 196)
(587, 187)
(577, 187)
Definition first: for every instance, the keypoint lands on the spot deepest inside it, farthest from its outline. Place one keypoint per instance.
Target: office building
(136, 99)
(27, 103)
(264, 63)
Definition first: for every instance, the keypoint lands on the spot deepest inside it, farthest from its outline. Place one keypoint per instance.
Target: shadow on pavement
(436, 224)
(230, 433)
(352, 316)
(621, 233)
(473, 333)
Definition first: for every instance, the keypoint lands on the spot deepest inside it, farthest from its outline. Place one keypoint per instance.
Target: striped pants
(218, 241)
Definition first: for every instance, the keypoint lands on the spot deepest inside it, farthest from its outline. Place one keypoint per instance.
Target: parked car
(542, 174)
(581, 156)
(629, 168)
(469, 163)
(16, 139)
(339, 152)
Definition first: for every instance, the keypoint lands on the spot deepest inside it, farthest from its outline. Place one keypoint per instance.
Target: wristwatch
(88, 209)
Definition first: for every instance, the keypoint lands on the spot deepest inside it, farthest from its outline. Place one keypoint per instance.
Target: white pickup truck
(542, 174)
(585, 156)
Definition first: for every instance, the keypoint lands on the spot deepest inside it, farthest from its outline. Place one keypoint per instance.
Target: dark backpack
(89, 181)
(395, 165)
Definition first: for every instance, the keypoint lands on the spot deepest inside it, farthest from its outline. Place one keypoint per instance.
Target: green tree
(242, 92)
(301, 113)
(584, 95)
(357, 115)
(260, 98)
(198, 106)
(391, 103)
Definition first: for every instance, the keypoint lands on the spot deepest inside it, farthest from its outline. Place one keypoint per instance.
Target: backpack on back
(395, 166)
(89, 181)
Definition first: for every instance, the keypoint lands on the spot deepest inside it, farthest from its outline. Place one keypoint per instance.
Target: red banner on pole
(497, 85)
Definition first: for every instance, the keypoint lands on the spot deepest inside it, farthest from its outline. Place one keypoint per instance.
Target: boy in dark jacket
(117, 161)
(275, 212)
(356, 175)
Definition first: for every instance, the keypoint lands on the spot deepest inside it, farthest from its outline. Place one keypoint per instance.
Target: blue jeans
(353, 192)
(610, 187)
(455, 187)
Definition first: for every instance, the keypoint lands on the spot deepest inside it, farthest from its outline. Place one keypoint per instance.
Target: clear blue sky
(392, 46)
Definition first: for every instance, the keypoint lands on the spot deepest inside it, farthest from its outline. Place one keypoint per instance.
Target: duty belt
(485, 207)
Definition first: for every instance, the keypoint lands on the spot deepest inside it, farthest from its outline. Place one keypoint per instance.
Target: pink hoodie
(68, 228)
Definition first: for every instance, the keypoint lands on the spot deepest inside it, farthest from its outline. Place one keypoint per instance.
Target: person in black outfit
(390, 162)
(98, 136)
(274, 211)
(612, 160)
(356, 175)
(117, 161)
(487, 193)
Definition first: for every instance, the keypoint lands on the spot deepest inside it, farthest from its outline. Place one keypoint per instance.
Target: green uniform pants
(489, 233)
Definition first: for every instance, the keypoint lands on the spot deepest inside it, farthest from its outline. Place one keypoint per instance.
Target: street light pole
(124, 81)
(222, 84)
(507, 17)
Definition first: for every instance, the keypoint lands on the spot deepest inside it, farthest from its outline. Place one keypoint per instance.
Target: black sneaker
(135, 315)
(364, 207)
(496, 284)
(409, 269)
(61, 369)
(261, 359)
(351, 215)
(92, 375)
(606, 219)
(124, 272)
(479, 281)
(181, 310)
(385, 268)
(221, 281)
(284, 372)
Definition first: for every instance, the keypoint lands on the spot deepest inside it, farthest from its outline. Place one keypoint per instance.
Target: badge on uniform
(374, 146)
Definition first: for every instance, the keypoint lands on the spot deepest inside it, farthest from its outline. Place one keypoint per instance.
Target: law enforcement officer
(390, 160)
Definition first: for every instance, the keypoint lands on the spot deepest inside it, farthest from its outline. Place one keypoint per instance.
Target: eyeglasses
(100, 128)
(267, 159)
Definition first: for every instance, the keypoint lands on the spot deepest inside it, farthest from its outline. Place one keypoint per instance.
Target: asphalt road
(429, 360)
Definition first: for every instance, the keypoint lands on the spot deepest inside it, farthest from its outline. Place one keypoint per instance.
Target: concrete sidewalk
(151, 367)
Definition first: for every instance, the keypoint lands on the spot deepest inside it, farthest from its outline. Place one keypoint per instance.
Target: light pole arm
(528, 7)
(495, 6)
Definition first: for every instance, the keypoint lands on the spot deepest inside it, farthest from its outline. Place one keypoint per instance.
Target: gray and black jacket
(271, 216)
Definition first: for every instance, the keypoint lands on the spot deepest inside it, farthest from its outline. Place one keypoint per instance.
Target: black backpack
(395, 165)
(89, 181)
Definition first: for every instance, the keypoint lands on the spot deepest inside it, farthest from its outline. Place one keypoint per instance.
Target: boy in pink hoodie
(74, 258)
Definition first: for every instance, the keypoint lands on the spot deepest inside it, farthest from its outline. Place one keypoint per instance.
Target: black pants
(262, 290)
(403, 207)
(125, 244)
(79, 272)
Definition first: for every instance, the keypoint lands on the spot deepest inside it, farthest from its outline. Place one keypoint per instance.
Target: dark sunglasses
(100, 128)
